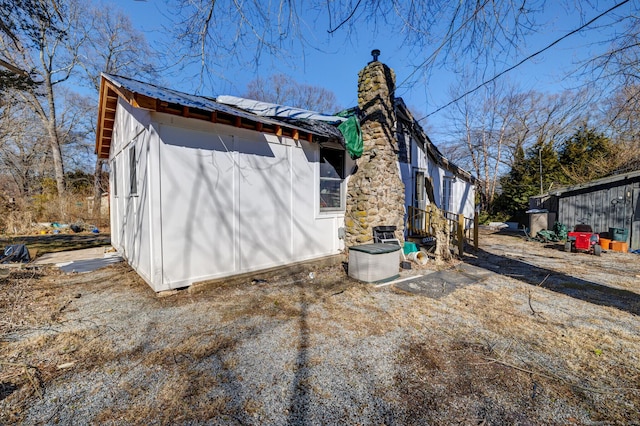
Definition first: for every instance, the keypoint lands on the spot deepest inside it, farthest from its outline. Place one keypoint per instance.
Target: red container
(582, 240)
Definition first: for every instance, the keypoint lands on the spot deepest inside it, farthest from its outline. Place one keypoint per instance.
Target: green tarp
(559, 233)
(350, 129)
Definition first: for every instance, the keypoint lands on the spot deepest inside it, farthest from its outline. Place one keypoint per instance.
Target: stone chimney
(375, 193)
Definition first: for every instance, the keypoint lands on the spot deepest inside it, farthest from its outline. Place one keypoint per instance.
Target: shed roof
(622, 178)
(155, 98)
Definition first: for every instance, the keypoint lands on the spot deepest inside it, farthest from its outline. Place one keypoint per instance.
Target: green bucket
(409, 247)
(619, 234)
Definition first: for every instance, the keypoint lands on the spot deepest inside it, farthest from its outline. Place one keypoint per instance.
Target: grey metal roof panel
(635, 175)
(316, 126)
(201, 102)
(267, 109)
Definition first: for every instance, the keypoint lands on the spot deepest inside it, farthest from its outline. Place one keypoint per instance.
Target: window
(447, 189)
(331, 179)
(133, 184)
(419, 191)
(114, 177)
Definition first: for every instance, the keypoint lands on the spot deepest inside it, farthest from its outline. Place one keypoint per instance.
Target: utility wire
(500, 74)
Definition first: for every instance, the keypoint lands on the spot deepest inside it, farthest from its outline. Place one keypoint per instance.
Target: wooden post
(460, 235)
(475, 231)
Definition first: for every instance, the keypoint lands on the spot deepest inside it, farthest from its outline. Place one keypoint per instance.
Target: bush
(486, 217)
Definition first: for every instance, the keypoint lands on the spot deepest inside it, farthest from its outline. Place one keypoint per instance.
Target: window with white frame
(331, 179)
(447, 191)
(114, 178)
(133, 184)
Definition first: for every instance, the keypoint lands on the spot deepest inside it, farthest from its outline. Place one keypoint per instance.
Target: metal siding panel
(582, 209)
(621, 211)
(561, 211)
(567, 211)
(635, 227)
(600, 206)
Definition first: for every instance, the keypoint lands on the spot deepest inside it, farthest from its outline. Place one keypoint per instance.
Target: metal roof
(155, 98)
(267, 109)
(405, 115)
(635, 175)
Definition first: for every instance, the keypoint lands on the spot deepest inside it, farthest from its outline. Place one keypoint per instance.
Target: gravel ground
(547, 338)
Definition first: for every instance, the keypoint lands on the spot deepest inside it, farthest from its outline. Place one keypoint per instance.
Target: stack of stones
(375, 193)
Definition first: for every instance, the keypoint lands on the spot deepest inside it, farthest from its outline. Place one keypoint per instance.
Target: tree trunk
(56, 153)
(54, 140)
(97, 190)
(441, 232)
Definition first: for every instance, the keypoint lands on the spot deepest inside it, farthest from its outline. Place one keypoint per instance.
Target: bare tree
(618, 67)
(75, 128)
(484, 124)
(49, 49)
(113, 46)
(492, 125)
(20, 18)
(440, 32)
(621, 115)
(282, 89)
(22, 147)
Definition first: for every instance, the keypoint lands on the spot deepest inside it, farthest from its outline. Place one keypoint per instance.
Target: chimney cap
(375, 53)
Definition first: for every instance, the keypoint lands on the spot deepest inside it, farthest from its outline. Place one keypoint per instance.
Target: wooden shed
(611, 202)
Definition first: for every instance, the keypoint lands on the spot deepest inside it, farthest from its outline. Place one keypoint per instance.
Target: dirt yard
(546, 337)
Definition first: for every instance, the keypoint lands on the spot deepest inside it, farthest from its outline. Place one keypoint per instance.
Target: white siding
(197, 205)
(235, 201)
(462, 192)
(130, 228)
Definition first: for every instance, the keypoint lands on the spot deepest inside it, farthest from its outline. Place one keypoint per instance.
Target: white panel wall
(464, 197)
(130, 214)
(266, 201)
(234, 201)
(198, 206)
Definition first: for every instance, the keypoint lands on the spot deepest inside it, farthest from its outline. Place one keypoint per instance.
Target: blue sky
(336, 67)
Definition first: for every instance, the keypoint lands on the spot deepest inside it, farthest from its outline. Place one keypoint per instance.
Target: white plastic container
(374, 262)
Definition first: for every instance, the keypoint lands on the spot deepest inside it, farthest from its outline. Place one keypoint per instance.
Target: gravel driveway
(545, 337)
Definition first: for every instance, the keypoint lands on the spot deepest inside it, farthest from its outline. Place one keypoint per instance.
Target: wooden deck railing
(461, 229)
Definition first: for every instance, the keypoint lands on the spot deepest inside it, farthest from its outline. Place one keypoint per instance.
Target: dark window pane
(114, 173)
(330, 194)
(331, 163)
(132, 171)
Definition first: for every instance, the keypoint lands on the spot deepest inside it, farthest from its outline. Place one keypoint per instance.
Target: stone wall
(375, 193)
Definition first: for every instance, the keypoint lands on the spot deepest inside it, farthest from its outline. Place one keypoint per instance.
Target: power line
(501, 73)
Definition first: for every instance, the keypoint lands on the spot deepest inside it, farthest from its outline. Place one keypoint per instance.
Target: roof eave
(110, 92)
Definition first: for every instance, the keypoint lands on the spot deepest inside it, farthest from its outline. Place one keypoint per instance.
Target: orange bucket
(605, 243)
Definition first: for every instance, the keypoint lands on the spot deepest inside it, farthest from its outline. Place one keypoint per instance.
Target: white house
(204, 188)
(430, 178)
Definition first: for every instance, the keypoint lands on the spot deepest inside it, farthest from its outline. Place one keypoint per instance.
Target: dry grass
(41, 244)
(22, 217)
(502, 351)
